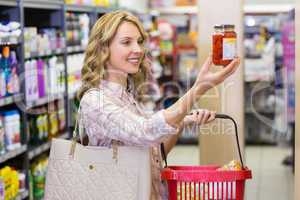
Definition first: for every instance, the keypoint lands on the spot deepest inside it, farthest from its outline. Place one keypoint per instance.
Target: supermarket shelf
(35, 151)
(44, 100)
(44, 4)
(8, 3)
(104, 10)
(12, 154)
(48, 53)
(22, 195)
(11, 99)
(10, 41)
(80, 8)
(178, 10)
(268, 8)
(75, 49)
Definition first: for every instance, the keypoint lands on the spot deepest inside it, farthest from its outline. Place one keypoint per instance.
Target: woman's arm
(197, 117)
(205, 80)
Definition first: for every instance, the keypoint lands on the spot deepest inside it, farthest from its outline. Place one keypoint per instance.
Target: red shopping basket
(206, 182)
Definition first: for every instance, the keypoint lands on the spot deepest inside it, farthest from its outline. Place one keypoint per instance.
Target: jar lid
(228, 26)
(218, 26)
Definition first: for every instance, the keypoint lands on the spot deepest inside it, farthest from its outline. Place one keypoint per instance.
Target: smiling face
(126, 49)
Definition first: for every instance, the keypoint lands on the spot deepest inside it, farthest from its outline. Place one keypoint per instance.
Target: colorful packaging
(12, 129)
(61, 115)
(53, 120)
(2, 137)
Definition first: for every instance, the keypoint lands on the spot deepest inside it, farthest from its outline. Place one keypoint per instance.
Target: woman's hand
(199, 117)
(207, 79)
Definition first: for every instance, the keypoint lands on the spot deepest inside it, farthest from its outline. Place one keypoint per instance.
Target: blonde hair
(97, 51)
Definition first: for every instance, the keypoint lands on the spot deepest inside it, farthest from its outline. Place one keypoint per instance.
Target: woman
(115, 64)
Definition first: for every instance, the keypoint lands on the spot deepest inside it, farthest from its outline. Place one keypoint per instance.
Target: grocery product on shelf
(38, 176)
(9, 79)
(10, 30)
(78, 26)
(104, 3)
(10, 178)
(61, 115)
(39, 128)
(2, 136)
(53, 120)
(43, 41)
(12, 128)
(44, 77)
(75, 64)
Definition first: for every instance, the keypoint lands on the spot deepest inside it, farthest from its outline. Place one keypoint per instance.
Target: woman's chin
(133, 71)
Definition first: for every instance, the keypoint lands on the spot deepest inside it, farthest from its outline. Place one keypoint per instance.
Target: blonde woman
(115, 64)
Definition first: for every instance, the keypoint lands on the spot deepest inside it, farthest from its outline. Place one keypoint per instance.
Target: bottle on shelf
(4, 70)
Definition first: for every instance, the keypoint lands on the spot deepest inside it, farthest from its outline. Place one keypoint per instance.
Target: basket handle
(219, 116)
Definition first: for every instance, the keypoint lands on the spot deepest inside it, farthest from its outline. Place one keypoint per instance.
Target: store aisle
(271, 180)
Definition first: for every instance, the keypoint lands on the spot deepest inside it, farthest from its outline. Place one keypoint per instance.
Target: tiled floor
(271, 180)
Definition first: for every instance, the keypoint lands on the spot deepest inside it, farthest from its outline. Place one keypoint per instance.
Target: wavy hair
(97, 51)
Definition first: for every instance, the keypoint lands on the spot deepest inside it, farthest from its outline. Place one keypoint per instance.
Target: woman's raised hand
(207, 79)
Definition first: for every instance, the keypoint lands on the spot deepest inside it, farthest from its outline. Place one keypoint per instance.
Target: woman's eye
(126, 42)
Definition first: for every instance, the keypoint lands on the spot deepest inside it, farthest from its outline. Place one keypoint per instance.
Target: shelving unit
(260, 126)
(40, 13)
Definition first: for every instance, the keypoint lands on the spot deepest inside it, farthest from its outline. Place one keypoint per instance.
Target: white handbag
(77, 172)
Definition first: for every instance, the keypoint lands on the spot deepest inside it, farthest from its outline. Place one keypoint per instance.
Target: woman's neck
(117, 77)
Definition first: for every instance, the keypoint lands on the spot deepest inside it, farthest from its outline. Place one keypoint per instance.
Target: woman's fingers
(212, 116)
(206, 116)
(230, 68)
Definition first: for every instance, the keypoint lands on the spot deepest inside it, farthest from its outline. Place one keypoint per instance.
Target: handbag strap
(79, 129)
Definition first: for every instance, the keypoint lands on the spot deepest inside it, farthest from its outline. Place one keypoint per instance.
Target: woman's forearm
(175, 114)
(172, 140)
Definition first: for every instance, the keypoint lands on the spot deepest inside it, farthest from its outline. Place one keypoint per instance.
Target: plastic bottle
(2, 79)
(4, 70)
(13, 83)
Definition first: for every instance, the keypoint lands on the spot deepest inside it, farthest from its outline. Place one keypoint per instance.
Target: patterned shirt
(111, 113)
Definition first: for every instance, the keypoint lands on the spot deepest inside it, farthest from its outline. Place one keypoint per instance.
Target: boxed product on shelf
(12, 129)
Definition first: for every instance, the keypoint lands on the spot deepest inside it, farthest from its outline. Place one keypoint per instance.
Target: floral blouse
(111, 113)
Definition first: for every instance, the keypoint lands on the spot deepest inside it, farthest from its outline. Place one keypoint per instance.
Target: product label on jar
(229, 48)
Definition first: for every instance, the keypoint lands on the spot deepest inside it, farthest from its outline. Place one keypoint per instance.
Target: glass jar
(228, 44)
(217, 40)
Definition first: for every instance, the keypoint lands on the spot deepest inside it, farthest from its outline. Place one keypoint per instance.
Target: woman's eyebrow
(130, 38)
